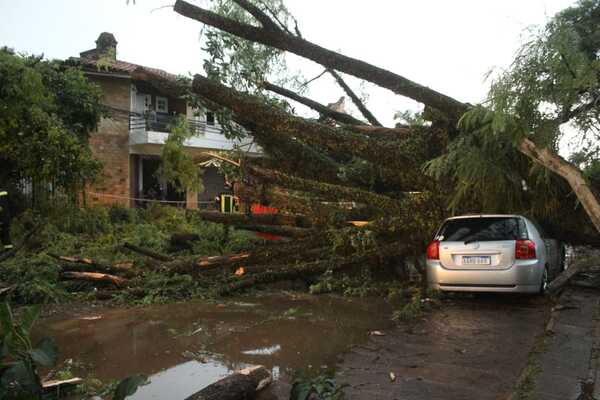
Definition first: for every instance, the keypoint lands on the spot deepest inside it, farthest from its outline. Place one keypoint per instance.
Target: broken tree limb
(147, 252)
(561, 280)
(325, 111)
(330, 59)
(241, 385)
(194, 265)
(355, 99)
(280, 273)
(327, 191)
(256, 219)
(567, 171)
(287, 231)
(94, 277)
(60, 386)
(84, 264)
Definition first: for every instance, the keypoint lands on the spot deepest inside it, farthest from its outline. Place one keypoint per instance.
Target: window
(210, 118)
(162, 104)
(483, 229)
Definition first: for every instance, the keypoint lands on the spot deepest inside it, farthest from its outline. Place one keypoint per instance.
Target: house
(129, 141)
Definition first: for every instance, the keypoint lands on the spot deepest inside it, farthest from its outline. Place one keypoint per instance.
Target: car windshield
(483, 229)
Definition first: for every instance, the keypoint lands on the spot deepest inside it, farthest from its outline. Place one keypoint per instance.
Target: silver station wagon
(492, 253)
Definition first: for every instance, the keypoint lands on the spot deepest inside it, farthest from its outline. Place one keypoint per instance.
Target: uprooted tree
(501, 156)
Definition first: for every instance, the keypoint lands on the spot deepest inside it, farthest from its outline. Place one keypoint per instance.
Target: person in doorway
(5, 221)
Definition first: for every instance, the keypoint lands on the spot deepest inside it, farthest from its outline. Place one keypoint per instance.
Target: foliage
(550, 90)
(239, 63)
(48, 110)
(178, 167)
(99, 233)
(321, 387)
(19, 359)
(417, 306)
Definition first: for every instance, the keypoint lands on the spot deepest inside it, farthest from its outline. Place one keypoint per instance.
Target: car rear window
(483, 229)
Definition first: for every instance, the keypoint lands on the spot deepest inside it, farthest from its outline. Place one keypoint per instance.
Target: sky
(446, 45)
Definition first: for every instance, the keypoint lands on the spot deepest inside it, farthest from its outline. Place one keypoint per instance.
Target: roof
(123, 67)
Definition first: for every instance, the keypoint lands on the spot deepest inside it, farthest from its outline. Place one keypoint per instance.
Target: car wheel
(545, 281)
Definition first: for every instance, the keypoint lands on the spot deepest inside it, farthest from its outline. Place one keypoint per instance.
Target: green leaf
(46, 353)
(129, 386)
(300, 391)
(24, 377)
(6, 319)
(30, 315)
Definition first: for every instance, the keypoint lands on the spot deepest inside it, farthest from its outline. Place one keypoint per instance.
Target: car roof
(486, 216)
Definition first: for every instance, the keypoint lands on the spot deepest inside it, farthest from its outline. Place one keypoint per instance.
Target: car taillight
(433, 250)
(524, 250)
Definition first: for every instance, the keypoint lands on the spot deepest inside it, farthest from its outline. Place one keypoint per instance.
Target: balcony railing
(164, 123)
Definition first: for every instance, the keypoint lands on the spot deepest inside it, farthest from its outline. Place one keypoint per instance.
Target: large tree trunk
(569, 172)
(330, 59)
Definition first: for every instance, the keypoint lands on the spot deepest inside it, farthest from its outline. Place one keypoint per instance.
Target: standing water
(184, 347)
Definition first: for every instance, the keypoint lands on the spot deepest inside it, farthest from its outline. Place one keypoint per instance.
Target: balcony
(149, 131)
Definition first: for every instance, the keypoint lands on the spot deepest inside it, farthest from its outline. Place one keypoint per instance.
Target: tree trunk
(569, 172)
(330, 59)
(318, 107)
(241, 385)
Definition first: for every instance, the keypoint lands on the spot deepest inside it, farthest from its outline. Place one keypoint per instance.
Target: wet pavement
(473, 346)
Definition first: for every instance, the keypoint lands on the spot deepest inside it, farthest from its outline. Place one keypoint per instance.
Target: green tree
(552, 89)
(47, 113)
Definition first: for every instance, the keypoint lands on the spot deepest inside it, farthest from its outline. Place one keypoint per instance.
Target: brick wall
(110, 144)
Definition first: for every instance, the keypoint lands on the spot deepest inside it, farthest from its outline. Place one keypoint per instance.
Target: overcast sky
(447, 45)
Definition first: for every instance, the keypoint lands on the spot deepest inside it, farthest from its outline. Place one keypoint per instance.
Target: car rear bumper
(523, 277)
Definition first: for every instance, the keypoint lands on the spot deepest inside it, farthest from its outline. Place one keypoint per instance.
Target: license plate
(476, 260)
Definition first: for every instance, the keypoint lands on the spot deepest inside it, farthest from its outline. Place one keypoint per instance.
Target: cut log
(241, 385)
(94, 277)
(147, 252)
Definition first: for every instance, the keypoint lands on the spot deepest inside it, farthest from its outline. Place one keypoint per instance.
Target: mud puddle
(184, 347)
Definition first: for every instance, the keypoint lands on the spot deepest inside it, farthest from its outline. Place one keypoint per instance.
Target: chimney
(106, 46)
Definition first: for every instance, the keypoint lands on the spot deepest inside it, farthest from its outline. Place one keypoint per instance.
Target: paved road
(471, 348)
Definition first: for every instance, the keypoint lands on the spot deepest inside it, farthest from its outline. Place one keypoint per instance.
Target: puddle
(184, 347)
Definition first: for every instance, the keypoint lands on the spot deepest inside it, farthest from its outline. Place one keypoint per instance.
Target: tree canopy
(47, 113)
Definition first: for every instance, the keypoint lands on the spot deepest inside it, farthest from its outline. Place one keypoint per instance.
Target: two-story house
(129, 141)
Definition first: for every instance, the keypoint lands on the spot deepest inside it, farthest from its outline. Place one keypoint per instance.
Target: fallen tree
(241, 385)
